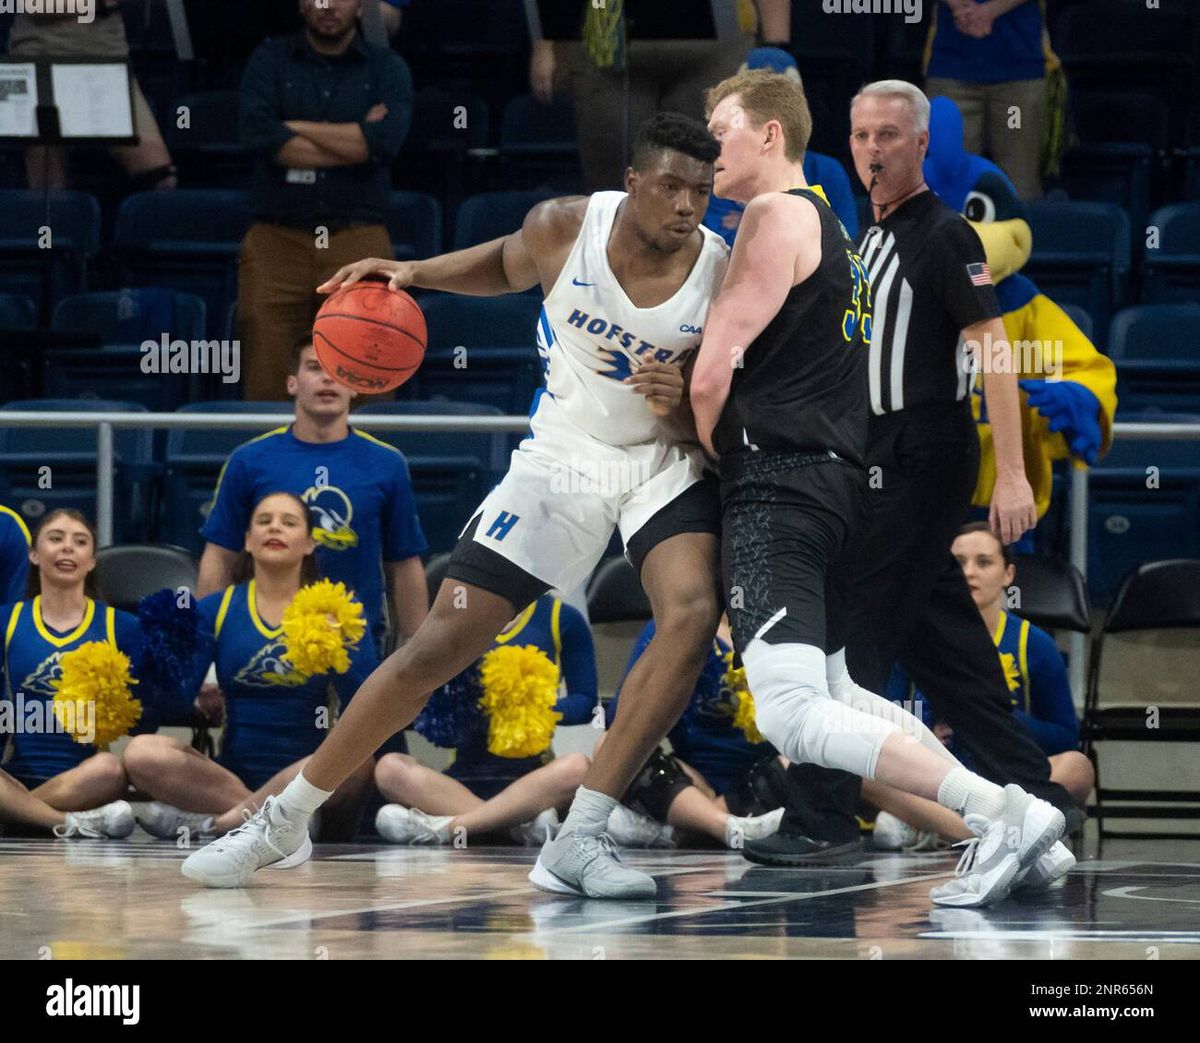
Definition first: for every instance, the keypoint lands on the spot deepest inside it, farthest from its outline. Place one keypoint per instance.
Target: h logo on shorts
(502, 525)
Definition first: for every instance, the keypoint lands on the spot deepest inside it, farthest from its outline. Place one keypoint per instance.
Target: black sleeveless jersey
(802, 383)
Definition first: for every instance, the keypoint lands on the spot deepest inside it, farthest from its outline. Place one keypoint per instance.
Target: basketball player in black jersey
(931, 290)
(779, 394)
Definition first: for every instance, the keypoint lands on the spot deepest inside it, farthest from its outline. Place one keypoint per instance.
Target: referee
(778, 391)
(933, 301)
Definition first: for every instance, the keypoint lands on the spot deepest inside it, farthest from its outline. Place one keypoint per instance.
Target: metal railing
(107, 423)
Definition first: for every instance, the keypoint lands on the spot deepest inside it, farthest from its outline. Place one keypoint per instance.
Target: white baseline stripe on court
(1067, 934)
(1127, 892)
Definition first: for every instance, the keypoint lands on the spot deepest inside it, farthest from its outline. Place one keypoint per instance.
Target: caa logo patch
(685, 328)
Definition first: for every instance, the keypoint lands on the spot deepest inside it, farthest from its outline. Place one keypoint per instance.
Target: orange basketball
(370, 338)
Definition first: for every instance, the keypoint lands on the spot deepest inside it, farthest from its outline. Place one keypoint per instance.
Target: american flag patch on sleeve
(980, 274)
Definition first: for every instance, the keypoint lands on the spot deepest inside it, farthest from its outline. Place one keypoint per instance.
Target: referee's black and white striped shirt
(929, 279)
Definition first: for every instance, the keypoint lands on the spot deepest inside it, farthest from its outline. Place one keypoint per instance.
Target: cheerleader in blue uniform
(49, 781)
(14, 556)
(721, 780)
(275, 716)
(1036, 674)
(1038, 685)
(481, 793)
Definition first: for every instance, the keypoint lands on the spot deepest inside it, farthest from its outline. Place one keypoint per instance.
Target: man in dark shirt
(988, 57)
(325, 114)
(778, 392)
(933, 300)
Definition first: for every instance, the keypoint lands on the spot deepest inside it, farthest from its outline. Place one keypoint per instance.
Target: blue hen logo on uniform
(268, 669)
(41, 681)
(332, 514)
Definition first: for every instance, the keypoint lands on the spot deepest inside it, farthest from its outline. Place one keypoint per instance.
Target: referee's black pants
(909, 603)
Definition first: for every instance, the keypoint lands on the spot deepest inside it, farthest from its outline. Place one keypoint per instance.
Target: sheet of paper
(18, 100)
(93, 100)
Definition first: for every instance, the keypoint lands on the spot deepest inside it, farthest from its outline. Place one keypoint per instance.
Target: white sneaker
(267, 840)
(402, 825)
(989, 866)
(631, 829)
(537, 832)
(109, 820)
(165, 821)
(1051, 867)
(894, 834)
(589, 866)
(927, 841)
(751, 827)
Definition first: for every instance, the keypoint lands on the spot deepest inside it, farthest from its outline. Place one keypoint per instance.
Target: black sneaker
(793, 849)
(1076, 820)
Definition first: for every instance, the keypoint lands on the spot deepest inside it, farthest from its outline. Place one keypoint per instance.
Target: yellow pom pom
(92, 698)
(734, 682)
(1011, 674)
(320, 627)
(520, 688)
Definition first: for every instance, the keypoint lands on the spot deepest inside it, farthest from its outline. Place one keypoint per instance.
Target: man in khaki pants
(325, 113)
(987, 57)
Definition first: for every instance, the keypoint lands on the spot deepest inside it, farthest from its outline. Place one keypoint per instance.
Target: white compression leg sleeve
(796, 713)
(961, 790)
(844, 690)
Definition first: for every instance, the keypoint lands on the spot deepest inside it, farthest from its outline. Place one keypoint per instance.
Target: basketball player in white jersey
(627, 279)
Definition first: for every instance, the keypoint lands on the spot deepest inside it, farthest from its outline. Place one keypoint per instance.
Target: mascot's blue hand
(1072, 409)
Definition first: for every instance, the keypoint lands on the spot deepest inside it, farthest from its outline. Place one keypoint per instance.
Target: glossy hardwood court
(126, 899)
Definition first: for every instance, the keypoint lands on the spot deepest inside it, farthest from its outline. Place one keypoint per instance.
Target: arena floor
(126, 900)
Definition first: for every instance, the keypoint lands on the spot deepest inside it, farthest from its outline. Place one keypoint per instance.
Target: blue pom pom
(169, 640)
(452, 717)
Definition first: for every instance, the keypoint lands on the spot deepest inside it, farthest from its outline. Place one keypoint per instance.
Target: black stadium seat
(1053, 594)
(451, 471)
(1158, 367)
(615, 594)
(49, 467)
(126, 573)
(187, 239)
(194, 459)
(1131, 519)
(1157, 608)
(46, 266)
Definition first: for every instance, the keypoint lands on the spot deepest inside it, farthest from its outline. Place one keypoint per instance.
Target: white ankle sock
(300, 798)
(589, 812)
(969, 794)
